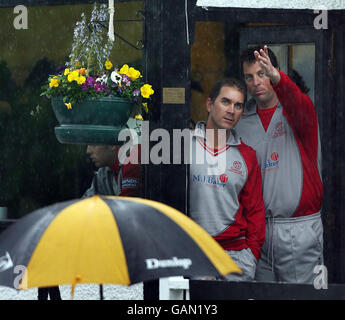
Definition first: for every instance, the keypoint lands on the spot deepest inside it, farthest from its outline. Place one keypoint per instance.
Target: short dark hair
(228, 82)
(247, 55)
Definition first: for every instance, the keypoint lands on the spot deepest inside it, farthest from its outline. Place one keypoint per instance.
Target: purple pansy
(100, 87)
(126, 80)
(136, 92)
(90, 81)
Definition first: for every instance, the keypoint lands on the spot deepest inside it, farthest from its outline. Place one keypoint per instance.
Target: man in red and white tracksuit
(280, 123)
(225, 180)
(117, 175)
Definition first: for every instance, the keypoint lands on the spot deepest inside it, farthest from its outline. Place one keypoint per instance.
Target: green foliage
(91, 46)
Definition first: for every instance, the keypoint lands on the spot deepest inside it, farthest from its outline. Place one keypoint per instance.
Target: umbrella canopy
(113, 240)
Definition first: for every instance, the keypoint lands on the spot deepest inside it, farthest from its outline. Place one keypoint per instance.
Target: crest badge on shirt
(236, 167)
(278, 130)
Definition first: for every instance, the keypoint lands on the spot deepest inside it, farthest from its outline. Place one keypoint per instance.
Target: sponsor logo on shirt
(272, 162)
(211, 181)
(278, 130)
(130, 183)
(274, 156)
(223, 178)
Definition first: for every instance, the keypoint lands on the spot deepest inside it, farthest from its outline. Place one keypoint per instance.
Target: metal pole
(101, 297)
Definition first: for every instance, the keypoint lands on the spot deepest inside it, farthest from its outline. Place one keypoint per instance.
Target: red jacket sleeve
(253, 204)
(300, 113)
(131, 175)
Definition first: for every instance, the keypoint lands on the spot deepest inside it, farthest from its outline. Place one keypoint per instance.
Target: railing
(178, 288)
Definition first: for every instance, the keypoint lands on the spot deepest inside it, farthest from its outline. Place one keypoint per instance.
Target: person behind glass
(225, 180)
(117, 174)
(281, 124)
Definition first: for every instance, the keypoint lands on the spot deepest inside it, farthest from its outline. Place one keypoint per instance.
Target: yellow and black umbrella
(107, 240)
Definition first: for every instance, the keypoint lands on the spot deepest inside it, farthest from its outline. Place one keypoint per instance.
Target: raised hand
(265, 63)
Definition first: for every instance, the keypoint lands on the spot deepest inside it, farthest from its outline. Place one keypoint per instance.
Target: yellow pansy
(81, 80)
(145, 107)
(54, 82)
(108, 65)
(68, 105)
(124, 69)
(146, 90)
(66, 72)
(139, 117)
(74, 75)
(133, 73)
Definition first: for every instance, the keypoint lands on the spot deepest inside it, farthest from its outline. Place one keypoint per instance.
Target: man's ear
(209, 104)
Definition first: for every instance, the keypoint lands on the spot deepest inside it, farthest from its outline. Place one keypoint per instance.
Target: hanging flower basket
(92, 121)
(91, 98)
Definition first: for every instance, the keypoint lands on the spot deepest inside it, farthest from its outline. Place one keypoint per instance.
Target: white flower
(115, 77)
(102, 79)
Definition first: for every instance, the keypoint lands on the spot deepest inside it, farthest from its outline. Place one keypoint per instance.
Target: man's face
(258, 84)
(102, 156)
(226, 110)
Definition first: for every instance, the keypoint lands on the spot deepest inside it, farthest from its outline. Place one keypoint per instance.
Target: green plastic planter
(93, 121)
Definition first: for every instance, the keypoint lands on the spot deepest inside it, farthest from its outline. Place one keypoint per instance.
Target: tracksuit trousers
(293, 248)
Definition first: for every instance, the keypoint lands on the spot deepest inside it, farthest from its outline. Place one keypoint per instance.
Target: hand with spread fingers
(264, 61)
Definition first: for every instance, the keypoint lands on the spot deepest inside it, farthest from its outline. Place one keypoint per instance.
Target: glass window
(208, 64)
(35, 169)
